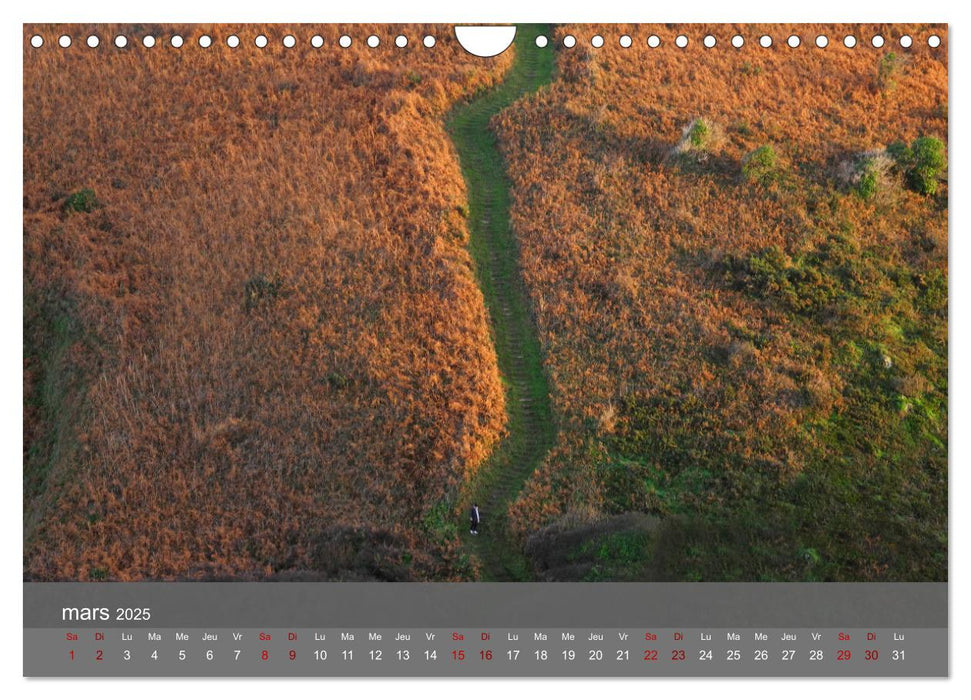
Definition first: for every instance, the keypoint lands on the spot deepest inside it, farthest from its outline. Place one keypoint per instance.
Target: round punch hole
(597, 41)
(849, 41)
(121, 41)
(793, 42)
(738, 41)
(177, 42)
(316, 41)
(626, 42)
(93, 41)
(906, 41)
(681, 41)
(569, 41)
(148, 41)
(37, 41)
(261, 42)
(289, 41)
(933, 41)
(428, 41)
(542, 42)
(765, 41)
(401, 41)
(64, 41)
(877, 41)
(205, 41)
(232, 41)
(373, 41)
(709, 42)
(344, 41)
(822, 42)
(654, 41)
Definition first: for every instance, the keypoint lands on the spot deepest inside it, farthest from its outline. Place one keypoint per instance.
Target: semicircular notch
(485, 41)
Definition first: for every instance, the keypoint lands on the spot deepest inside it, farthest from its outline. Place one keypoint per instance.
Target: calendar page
(613, 350)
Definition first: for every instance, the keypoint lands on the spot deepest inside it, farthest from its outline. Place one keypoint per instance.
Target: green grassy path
(495, 252)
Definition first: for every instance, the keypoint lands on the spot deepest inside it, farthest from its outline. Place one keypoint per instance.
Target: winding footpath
(495, 252)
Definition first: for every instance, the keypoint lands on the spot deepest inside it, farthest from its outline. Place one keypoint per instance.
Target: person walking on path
(474, 519)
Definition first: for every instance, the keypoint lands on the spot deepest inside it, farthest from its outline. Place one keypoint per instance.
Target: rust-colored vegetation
(254, 346)
(739, 271)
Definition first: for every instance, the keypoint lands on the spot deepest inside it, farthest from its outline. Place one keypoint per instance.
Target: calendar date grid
(484, 652)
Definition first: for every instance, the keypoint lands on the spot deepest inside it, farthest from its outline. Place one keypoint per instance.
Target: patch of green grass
(50, 332)
(439, 523)
(888, 68)
(618, 556)
(82, 201)
(495, 253)
(870, 499)
(761, 166)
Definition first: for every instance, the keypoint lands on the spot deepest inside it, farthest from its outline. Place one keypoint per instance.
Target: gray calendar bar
(487, 629)
(435, 605)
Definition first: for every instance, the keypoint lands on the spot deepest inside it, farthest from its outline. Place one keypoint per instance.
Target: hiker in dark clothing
(474, 519)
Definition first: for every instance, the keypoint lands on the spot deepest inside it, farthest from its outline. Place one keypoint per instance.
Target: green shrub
(82, 201)
(698, 133)
(698, 139)
(922, 162)
(900, 152)
(872, 175)
(867, 186)
(761, 166)
(929, 160)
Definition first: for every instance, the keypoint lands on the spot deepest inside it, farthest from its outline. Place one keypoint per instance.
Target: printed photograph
(617, 303)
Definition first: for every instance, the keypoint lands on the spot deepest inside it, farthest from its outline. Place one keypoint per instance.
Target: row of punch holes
(177, 41)
(738, 41)
(569, 41)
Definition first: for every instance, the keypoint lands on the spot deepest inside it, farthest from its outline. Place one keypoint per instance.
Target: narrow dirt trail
(495, 252)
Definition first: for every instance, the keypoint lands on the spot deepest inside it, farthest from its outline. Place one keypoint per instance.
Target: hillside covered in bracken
(253, 342)
(738, 263)
(288, 312)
